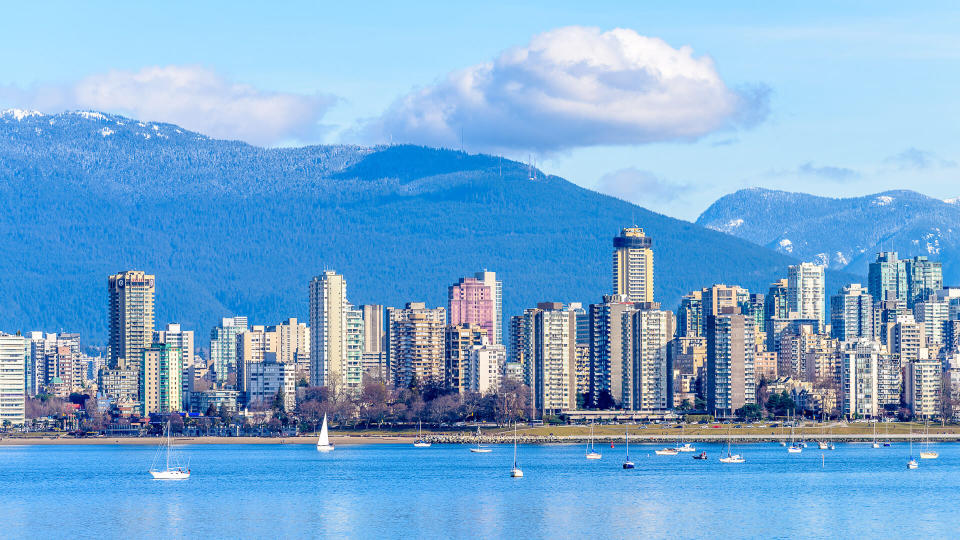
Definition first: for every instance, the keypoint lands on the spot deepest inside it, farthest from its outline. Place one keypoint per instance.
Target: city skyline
(624, 352)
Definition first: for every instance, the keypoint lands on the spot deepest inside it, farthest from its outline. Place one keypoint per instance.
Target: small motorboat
(667, 452)
(701, 455)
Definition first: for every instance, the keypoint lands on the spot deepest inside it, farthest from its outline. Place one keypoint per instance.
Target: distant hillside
(230, 228)
(843, 233)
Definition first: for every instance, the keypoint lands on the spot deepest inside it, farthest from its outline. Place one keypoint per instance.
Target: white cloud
(914, 158)
(640, 187)
(573, 87)
(191, 96)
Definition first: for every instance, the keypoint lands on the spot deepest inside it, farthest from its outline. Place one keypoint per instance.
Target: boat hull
(593, 455)
(481, 450)
(666, 452)
(929, 455)
(516, 473)
(325, 448)
(170, 475)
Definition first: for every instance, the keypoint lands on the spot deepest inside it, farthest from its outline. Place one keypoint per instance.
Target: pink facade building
(471, 301)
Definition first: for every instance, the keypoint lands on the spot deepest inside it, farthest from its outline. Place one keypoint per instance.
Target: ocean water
(394, 491)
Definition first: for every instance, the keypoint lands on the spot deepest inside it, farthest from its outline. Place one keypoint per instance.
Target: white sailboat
(323, 442)
(421, 442)
(875, 443)
(627, 464)
(730, 457)
(515, 472)
(794, 447)
(480, 449)
(591, 451)
(925, 452)
(682, 446)
(822, 445)
(912, 464)
(173, 469)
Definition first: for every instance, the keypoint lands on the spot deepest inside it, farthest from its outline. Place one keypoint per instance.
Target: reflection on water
(447, 491)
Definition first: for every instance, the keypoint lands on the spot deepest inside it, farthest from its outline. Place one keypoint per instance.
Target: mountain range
(233, 229)
(843, 233)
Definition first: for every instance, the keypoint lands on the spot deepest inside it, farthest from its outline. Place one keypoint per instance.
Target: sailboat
(627, 464)
(730, 457)
(912, 464)
(926, 453)
(822, 444)
(794, 447)
(875, 443)
(682, 446)
(591, 451)
(323, 442)
(515, 472)
(480, 449)
(173, 471)
(420, 442)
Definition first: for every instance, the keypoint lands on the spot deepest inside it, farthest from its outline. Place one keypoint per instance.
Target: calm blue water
(446, 491)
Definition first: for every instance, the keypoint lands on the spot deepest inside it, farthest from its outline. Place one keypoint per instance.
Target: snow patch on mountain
(883, 200)
(19, 114)
(786, 245)
(91, 115)
(727, 227)
(106, 132)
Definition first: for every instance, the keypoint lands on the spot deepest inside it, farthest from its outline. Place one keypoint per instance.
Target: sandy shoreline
(354, 440)
(341, 440)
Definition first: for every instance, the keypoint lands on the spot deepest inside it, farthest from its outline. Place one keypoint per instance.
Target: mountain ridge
(806, 226)
(233, 229)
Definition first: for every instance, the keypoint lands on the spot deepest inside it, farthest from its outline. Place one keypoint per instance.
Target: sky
(667, 105)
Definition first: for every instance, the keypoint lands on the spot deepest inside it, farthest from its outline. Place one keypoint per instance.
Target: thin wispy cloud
(194, 97)
(640, 186)
(574, 87)
(914, 158)
(829, 172)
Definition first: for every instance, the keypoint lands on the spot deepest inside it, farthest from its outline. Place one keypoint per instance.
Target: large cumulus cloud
(573, 87)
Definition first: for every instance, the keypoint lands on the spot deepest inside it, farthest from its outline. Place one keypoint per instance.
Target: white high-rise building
(860, 364)
(13, 358)
(175, 336)
(485, 367)
(223, 346)
(646, 377)
(805, 292)
(932, 314)
(851, 314)
(336, 335)
(554, 358)
(923, 387)
(633, 265)
(353, 352)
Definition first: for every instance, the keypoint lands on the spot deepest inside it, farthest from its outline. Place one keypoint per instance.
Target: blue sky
(851, 98)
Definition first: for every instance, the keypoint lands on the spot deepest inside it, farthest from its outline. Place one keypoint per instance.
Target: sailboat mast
(168, 443)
